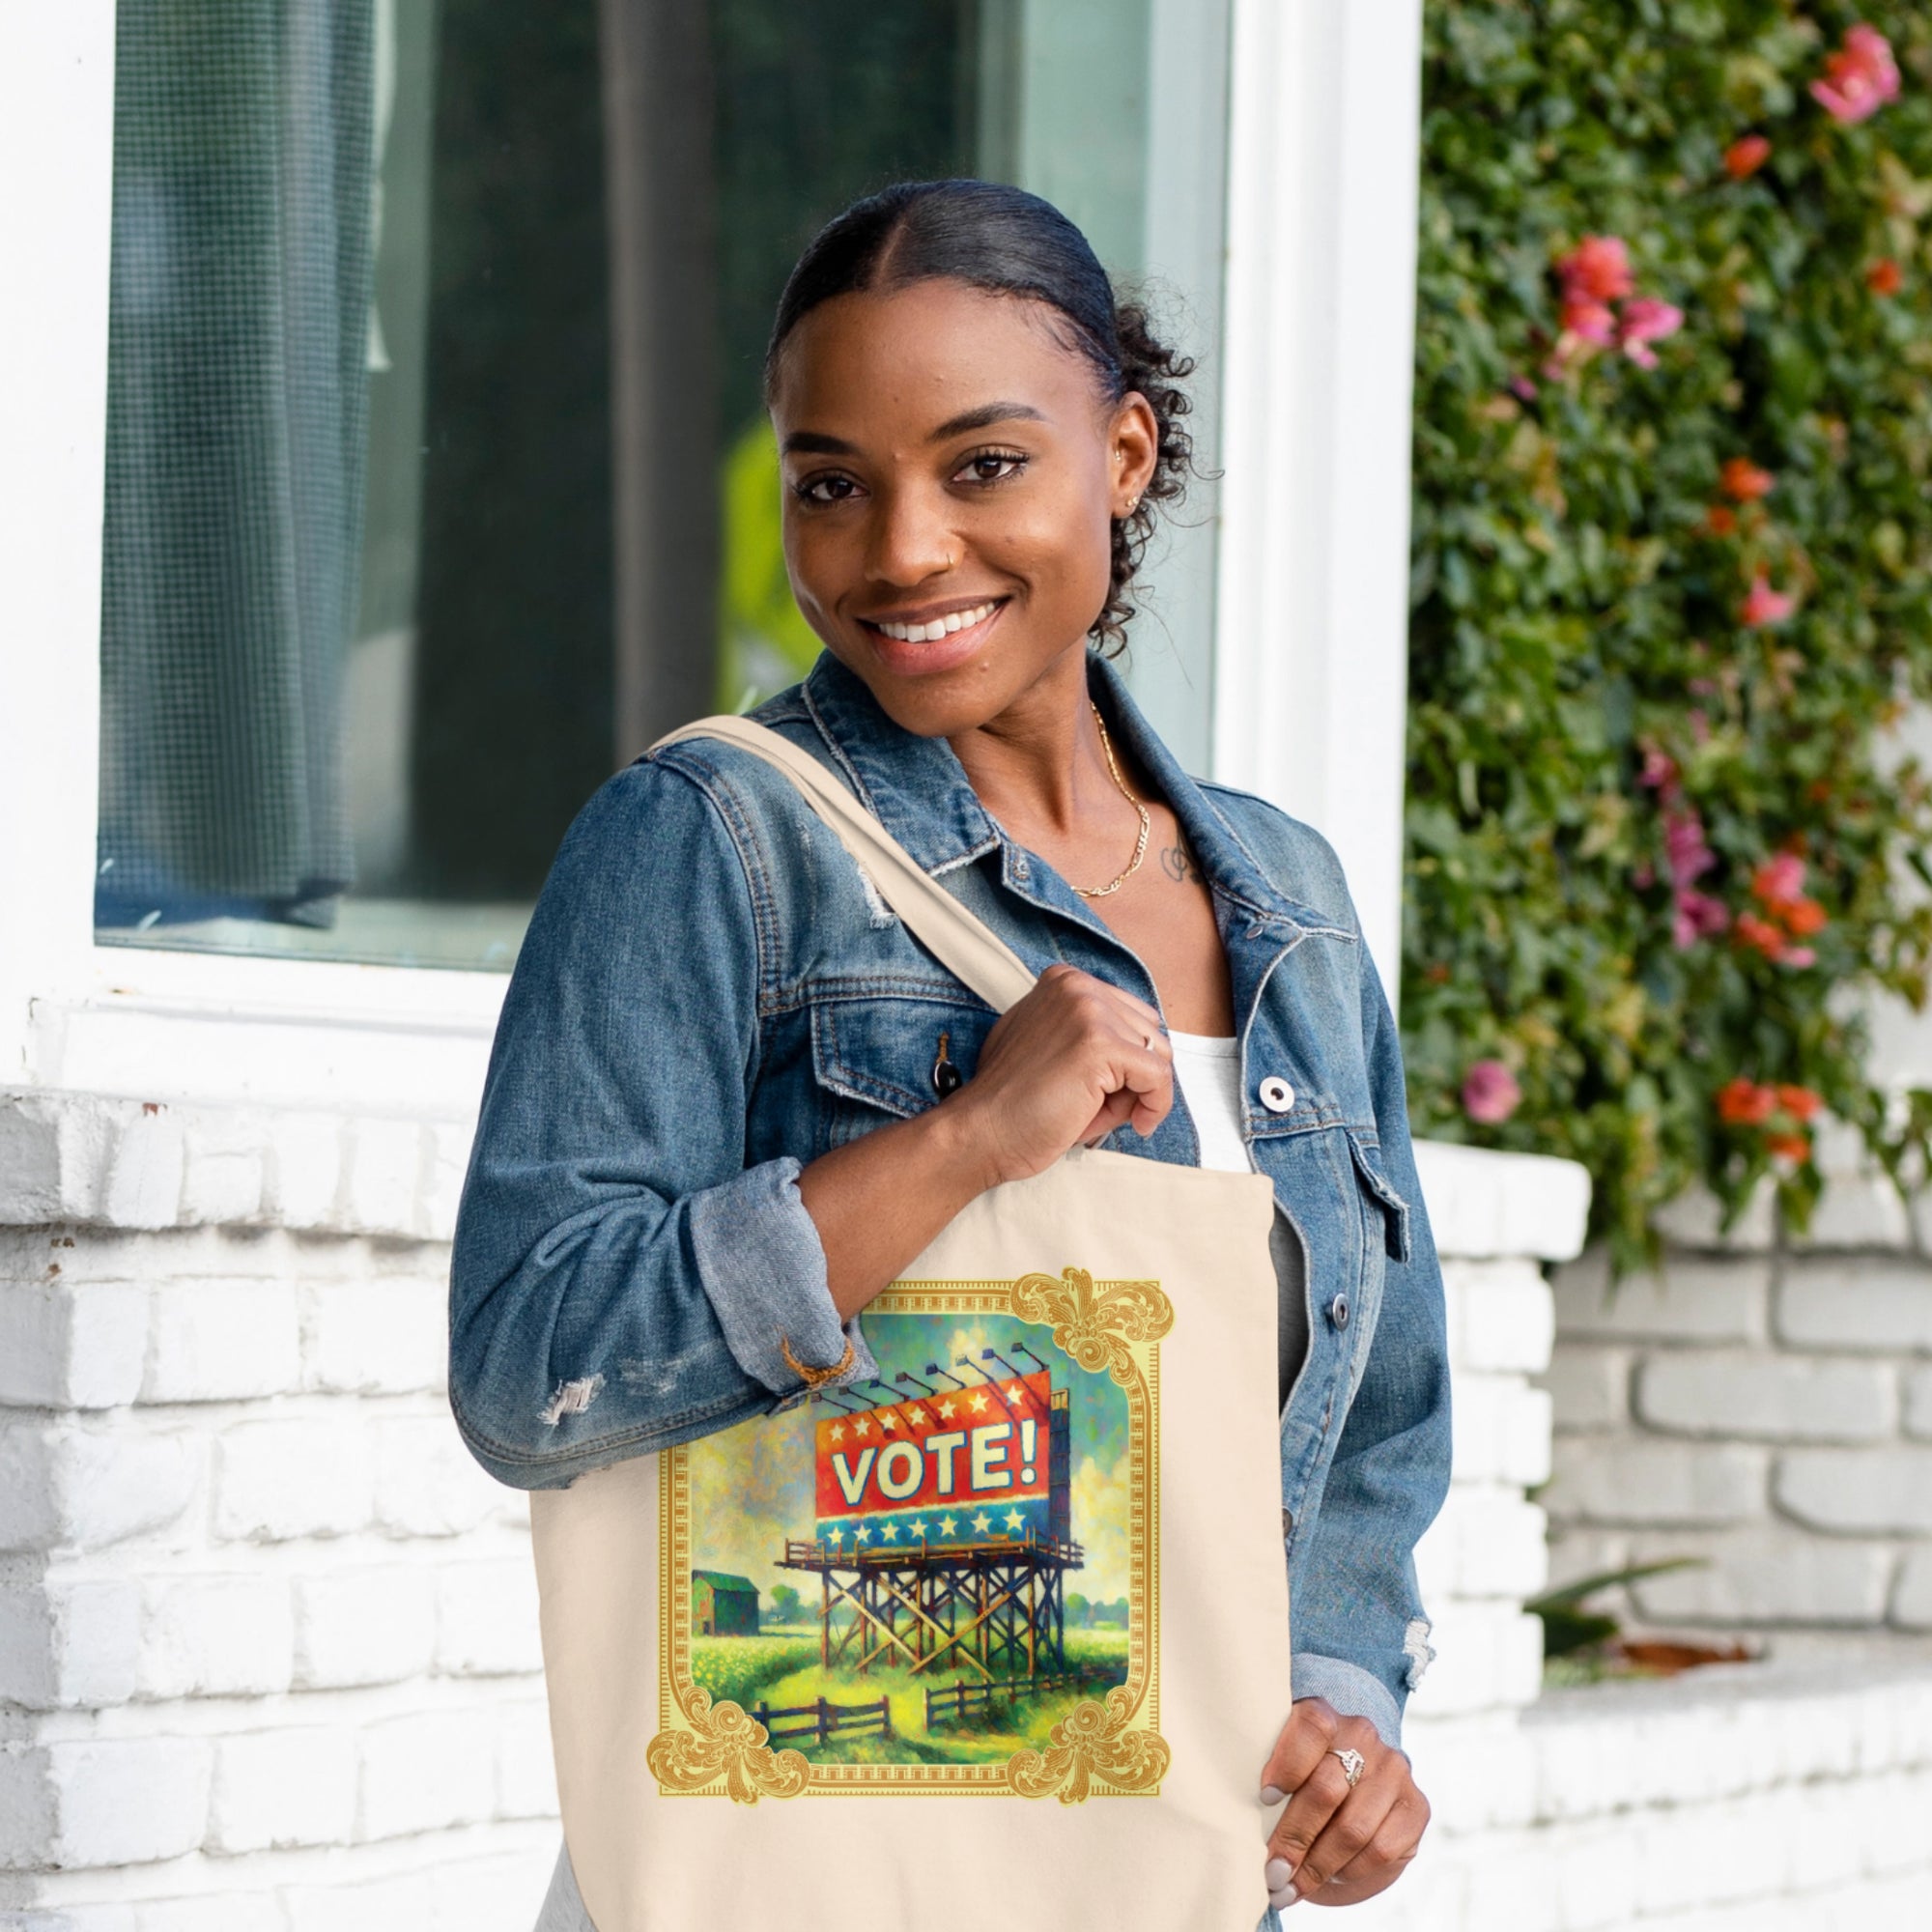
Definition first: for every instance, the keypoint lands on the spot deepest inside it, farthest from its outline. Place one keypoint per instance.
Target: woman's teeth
(940, 627)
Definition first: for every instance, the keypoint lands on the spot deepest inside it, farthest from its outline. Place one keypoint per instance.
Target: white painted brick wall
(269, 1646)
(1765, 1407)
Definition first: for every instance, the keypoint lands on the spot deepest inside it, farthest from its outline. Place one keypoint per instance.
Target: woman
(730, 1102)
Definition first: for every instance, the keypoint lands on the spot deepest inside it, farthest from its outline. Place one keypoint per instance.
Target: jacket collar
(917, 790)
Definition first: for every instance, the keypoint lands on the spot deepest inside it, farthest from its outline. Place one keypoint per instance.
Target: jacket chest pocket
(874, 1057)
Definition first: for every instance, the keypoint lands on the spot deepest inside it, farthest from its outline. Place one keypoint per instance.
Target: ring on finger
(1353, 1763)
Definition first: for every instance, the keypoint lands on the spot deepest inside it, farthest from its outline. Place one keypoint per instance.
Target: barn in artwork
(723, 1605)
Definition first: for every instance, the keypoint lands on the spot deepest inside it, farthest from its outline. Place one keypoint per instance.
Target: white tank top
(1208, 1070)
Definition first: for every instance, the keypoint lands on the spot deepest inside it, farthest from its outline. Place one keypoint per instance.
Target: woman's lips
(925, 656)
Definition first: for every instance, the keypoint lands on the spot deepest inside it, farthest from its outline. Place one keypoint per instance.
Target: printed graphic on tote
(948, 1577)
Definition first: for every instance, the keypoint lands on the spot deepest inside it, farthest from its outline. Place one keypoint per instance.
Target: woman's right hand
(1075, 1058)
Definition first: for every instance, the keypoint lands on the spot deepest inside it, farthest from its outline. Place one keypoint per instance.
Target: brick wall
(268, 1652)
(1764, 1405)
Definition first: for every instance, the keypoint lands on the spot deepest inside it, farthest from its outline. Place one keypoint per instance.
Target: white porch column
(1311, 658)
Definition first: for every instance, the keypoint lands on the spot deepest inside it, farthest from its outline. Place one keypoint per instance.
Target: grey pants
(562, 1909)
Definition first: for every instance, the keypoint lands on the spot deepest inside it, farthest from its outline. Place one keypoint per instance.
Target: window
(438, 480)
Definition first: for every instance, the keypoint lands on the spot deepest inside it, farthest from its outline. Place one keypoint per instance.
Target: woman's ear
(1135, 449)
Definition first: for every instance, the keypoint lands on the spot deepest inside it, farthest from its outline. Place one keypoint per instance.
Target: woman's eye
(825, 489)
(992, 465)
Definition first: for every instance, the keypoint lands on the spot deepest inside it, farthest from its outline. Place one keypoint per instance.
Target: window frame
(1322, 141)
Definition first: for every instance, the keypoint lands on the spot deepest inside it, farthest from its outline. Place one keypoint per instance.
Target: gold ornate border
(1102, 1747)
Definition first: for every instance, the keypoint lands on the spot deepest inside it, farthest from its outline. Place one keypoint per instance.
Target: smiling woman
(783, 1085)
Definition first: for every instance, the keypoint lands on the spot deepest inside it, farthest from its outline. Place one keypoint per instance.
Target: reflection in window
(439, 482)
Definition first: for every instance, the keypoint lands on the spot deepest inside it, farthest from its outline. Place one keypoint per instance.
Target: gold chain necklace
(1114, 884)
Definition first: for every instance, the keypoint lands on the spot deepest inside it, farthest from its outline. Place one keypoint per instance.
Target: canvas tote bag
(1001, 1639)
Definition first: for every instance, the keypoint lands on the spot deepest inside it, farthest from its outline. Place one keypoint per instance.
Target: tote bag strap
(959, 939)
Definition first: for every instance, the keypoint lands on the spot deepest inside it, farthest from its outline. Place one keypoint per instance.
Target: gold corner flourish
(1096, 1325)
(723, 1741)
(1091, 1742)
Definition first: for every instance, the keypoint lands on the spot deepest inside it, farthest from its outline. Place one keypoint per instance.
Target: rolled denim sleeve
(1361, 1636)
(620, 1279)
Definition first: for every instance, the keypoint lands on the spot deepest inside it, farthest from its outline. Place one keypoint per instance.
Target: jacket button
(1338, 1311)
(1277, 1096)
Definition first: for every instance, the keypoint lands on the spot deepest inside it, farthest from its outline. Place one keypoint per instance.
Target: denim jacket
(712, 995)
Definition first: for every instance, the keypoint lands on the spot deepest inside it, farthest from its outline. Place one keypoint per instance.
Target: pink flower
(1780, 879)
(1859, 78)
(1523, 388)
(1660, 769)
(1490, 1093)
(1597, 270)
(1698, 916)
(1688, 855)
(1764, 606)
(1646, 320)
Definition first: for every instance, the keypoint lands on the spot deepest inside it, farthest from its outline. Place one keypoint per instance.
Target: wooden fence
(964, 1699)
(822, 1721)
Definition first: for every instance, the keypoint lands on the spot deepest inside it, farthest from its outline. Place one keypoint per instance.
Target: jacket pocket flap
(892, 1053)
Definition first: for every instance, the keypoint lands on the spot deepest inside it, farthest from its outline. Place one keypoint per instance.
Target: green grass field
(783, 1672)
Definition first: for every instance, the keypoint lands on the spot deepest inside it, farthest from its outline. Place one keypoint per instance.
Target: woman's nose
(911, 538)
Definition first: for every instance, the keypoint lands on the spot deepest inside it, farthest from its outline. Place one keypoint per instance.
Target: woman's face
(951, 473)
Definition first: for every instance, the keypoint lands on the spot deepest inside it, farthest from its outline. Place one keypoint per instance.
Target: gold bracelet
(815, 1377)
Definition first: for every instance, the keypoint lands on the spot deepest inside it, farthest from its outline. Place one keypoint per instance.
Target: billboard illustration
(955, 1463)
(930, 1574)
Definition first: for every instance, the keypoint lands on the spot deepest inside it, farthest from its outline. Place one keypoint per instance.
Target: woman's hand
(1332, 1845)
(1071, 1062)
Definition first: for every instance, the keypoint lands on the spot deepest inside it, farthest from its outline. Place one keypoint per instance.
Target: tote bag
(1001, 1639)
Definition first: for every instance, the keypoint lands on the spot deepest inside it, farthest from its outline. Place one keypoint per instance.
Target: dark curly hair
(1009, 242)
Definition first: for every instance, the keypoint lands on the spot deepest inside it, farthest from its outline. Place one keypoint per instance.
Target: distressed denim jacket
(712, 995)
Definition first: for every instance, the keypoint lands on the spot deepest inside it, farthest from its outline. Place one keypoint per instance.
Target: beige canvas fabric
(1087, 1413)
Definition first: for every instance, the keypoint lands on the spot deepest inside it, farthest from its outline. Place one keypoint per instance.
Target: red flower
(1803, 918)
(1744, 482)
(1751, 930)
(1746, 156)
(1800, 1102)
(1788, 1147)
(1490, 1093)
(1859, 78)
(1646, 320)
(1744, 1103)
(1720, 520)
(1885, 277)
(1597, 270)
(1764, 606)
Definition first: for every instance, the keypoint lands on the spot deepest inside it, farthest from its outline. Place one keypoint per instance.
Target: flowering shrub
(1672, 587)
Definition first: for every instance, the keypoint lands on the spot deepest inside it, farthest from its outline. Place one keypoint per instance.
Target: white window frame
(1312, 566)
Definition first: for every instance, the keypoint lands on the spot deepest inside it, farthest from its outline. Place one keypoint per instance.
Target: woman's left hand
(1333, 1844)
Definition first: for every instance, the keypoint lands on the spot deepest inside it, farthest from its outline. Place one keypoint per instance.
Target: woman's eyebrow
(815, 443)
(984, 417)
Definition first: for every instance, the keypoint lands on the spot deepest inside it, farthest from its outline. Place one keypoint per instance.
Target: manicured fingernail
(1272, 1794)
(1277, 1872)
